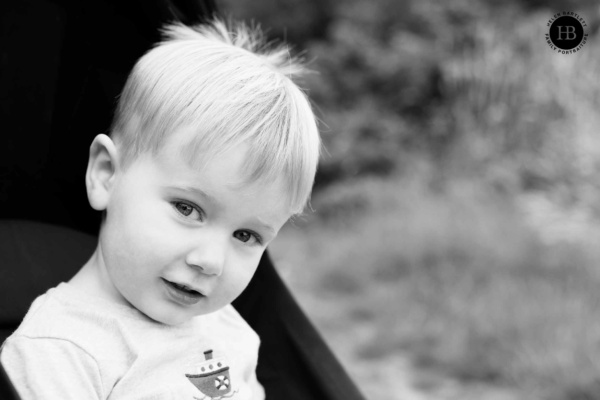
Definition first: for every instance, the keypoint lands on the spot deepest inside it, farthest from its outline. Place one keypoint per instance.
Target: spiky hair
(228, 85)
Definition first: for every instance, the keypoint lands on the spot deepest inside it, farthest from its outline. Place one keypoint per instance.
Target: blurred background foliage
(452, 247)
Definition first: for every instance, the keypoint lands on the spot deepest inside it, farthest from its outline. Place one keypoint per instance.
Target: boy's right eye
(187, 210)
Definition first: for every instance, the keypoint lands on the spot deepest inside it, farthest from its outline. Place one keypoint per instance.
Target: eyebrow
(191, 189)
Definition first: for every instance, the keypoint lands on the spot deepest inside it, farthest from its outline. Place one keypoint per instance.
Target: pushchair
(62, 65)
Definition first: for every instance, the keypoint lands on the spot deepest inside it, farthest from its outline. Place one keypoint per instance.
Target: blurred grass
(453, 278)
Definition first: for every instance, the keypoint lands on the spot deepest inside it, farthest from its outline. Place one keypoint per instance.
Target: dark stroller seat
(63, 63)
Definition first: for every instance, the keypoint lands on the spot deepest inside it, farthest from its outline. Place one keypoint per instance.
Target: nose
(208, 255)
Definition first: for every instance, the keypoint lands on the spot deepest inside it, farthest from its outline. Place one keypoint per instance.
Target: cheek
(240, 274)
(137, 243)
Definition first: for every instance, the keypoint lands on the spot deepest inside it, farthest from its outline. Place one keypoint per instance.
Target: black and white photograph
(300, 200)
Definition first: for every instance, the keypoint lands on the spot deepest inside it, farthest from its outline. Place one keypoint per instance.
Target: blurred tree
(295, 21)
(459, 85)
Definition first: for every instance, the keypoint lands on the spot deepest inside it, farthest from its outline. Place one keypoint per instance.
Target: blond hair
(230, 87)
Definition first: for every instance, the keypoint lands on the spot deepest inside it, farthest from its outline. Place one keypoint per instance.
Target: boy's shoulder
(63, 314)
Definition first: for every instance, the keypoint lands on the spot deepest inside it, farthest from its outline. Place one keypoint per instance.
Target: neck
(93, 278)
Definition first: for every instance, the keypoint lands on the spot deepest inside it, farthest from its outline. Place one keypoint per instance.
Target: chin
(165, 316)
(170, 320)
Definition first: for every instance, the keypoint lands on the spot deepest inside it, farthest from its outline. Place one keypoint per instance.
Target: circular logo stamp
(566, 33)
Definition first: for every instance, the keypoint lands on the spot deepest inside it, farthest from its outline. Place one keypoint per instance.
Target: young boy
(212, 150)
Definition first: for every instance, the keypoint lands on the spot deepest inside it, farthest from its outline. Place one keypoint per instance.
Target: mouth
(182, 294)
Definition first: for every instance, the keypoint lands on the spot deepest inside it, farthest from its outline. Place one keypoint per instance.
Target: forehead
(221, 174)
(181, 155)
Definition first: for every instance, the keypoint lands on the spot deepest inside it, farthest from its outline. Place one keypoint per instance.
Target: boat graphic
(211, 377)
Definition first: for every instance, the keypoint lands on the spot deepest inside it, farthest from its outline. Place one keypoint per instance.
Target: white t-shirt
(71, 346)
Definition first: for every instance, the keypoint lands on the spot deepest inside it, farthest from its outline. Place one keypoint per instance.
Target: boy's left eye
(245, 236)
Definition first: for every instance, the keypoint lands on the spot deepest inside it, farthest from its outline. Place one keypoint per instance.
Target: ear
(101, 171)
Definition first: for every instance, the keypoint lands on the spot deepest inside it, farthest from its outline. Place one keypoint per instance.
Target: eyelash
(194, 207)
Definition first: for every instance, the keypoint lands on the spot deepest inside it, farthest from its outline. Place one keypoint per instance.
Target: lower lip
(180, 296)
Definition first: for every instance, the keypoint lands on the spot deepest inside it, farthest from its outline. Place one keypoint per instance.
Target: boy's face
(179, 242)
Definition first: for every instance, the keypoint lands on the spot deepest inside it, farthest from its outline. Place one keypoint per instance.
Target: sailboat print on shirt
(211, 377)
